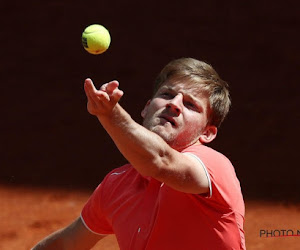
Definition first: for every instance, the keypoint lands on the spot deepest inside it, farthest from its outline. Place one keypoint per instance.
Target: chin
(168, 137)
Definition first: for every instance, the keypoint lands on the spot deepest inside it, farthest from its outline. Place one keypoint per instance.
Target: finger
(93, 93)
(89, 98)
(88, 89)
(108, 87)
(116, 96)
(111, 86)
(103, 87)
(103, 96)
(89, 86)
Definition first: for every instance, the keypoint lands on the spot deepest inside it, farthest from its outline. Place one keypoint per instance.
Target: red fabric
(146, 214)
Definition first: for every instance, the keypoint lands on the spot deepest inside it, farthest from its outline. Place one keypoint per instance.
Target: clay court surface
(29, 214)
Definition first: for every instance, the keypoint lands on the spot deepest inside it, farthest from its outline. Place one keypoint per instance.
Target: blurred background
(48, 137)
(53, 153)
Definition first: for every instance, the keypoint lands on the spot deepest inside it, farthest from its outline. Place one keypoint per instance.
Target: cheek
(151, 109)
(195, 121)
(158, 102)
(156, 105)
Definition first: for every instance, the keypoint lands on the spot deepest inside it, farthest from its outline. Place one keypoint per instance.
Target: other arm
(75, 236)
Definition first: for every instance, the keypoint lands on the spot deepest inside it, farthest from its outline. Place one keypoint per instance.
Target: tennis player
(175, 192)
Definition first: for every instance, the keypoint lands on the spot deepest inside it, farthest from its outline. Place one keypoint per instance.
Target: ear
(145, 110)
(208, 135)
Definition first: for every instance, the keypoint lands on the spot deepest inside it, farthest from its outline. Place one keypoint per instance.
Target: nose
(175, 104)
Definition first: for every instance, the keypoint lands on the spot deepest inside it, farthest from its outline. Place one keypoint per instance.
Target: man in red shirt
(175, 193)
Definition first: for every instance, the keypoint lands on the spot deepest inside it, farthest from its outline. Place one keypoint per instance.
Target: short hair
(199, 72)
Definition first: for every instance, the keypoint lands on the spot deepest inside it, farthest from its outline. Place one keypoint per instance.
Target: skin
(75, 236)
(174, 119)
(178, 115)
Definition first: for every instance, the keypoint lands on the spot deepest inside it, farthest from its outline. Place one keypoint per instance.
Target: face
(179, 114)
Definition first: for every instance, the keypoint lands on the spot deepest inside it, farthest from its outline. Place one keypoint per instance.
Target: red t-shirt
(146, 214)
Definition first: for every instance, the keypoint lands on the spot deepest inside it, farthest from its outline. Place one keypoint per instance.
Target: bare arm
(146, 151)
(75, 236)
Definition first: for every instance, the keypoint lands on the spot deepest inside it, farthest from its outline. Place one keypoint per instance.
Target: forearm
(145, 150)
(75, 236)
(53, 241)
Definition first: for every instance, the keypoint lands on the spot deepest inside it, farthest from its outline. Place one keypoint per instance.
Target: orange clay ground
(27, 215)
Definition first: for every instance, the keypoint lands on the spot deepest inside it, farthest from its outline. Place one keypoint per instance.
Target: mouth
(169, 119)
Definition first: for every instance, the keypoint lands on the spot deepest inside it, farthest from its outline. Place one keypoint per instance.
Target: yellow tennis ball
(95, 39)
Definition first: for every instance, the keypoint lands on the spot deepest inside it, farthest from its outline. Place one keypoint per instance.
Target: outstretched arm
(149, 154)
(75, 236)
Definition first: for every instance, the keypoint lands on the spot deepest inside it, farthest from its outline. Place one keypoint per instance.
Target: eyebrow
(188, 96)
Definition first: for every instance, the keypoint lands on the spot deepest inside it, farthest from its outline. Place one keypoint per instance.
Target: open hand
(102, 101)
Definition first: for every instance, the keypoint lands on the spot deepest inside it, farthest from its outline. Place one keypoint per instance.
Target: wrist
(116, 117)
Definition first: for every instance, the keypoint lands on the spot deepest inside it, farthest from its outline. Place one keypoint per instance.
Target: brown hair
(199, 72)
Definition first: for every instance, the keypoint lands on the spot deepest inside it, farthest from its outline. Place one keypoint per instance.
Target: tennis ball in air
(95, 39)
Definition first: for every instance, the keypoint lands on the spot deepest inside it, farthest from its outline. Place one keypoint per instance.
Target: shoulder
(113, 184)
(218, 165)
(117, 174)
(225, 184)
(208, 155)
(120, 170)
(118, 180)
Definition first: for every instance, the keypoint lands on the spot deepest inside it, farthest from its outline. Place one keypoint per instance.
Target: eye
(166, 95)
(191, 105)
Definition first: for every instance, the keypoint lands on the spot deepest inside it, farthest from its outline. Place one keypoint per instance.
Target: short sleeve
(225, 186)
(206, 173)
(92, 214)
